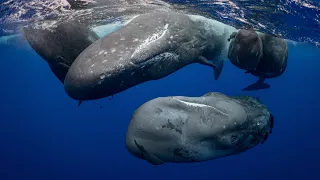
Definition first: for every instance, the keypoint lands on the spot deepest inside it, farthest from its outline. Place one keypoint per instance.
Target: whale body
(180, 129)
(150, 47)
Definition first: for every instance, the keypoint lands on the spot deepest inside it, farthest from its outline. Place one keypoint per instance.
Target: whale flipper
(79, 103)
(205, 61)
(217, 65)
(260, 84)
(151, 158)
(218, 69)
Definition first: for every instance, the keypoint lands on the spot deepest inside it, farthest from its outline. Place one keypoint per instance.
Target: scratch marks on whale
(155, 37)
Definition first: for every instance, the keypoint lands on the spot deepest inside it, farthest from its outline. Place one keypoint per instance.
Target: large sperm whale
(179, 129)
(150, 47)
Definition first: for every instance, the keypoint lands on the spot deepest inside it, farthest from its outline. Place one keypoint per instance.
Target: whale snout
(89, 82)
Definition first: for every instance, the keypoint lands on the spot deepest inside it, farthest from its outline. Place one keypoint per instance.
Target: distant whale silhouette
(179, 129)
(149, 47)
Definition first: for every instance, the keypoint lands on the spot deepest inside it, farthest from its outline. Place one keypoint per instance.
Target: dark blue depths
(45, 136)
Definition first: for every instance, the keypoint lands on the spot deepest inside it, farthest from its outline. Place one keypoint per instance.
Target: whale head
(245, 50)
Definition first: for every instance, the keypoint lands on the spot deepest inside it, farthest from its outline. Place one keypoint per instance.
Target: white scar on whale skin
(199, 105)
(155, 37)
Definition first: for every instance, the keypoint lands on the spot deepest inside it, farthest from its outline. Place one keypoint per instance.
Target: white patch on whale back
(104, 30)
(199, 105)
(220, 31)
(165, 56)
(155, 37)
(212, 25)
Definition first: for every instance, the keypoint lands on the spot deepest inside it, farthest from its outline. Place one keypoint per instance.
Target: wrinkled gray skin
(180, 129)
(245, 50)
(60, 47)
(150, 47)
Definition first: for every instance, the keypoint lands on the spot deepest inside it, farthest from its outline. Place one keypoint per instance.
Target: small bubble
(102, 76)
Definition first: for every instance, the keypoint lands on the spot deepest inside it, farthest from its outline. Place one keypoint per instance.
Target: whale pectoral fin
(79, 103)
(151, 158)
(217, 65)
(60, 70)
(260, 84)
(205, 61)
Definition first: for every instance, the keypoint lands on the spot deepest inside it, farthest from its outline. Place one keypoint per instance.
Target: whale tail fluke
(260, 84)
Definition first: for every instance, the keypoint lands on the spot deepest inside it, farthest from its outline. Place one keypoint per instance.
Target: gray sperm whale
(181, 129)
(149, 47)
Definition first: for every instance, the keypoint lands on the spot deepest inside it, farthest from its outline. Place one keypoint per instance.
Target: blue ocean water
(45, 136)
